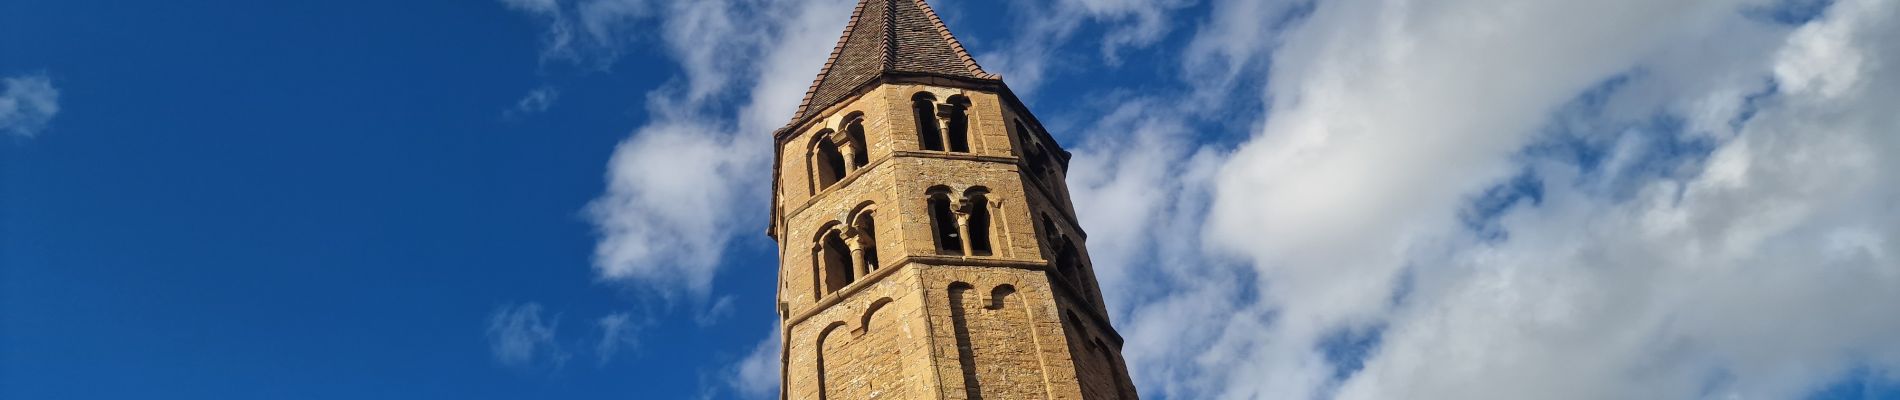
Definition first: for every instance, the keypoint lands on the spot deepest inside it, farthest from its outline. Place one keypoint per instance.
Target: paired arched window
(845, 252)
(962, 226)
(832, 156)
(941, 126)
(836, 256)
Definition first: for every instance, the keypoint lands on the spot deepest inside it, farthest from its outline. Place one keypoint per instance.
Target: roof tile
(887, 36)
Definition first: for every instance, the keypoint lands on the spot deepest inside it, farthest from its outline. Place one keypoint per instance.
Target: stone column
(856, 243)
(844, 143)
(850, 159)
(963, 227)
(943, 125)
(824, 272)
(811, 172)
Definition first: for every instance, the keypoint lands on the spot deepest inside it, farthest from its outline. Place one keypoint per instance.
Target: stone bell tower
(927, 245)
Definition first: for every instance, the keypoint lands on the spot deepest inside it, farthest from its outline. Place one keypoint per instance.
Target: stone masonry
(928, 248)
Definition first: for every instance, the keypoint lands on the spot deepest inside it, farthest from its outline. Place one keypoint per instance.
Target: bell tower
(927, 245)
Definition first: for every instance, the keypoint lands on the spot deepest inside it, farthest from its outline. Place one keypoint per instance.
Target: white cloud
(757, 375)
(680, 187)
(1758, 270)
(518, 337)
(1766, 275)
(668, 211)
(1141, 187)
(27, 105)
(1143, 195)
(695, 175)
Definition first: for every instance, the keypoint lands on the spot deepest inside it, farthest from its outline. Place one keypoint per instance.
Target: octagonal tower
(927, 244)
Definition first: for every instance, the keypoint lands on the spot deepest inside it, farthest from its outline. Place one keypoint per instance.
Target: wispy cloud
(534, 102)
(719, 310)
(518, 336)
(1024, 63)
(27, 105)
(618, 332)
(757, 375)
(588, 33)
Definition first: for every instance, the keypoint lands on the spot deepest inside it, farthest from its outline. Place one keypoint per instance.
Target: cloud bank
(1473, 199)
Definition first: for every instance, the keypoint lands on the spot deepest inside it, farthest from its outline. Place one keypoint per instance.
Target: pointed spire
(883, 37)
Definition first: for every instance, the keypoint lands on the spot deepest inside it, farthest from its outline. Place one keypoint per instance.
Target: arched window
(855, 131)
(836, 257)
(943, 223)
(924, 106)
(979, 224)
(827, 163)
(959, 135)
(866, 224)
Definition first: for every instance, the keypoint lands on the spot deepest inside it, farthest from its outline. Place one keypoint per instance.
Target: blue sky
(1285, 199)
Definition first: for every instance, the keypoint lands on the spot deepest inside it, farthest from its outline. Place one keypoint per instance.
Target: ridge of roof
(909, 37)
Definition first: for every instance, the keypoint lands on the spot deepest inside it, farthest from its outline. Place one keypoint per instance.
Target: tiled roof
(887, 36)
